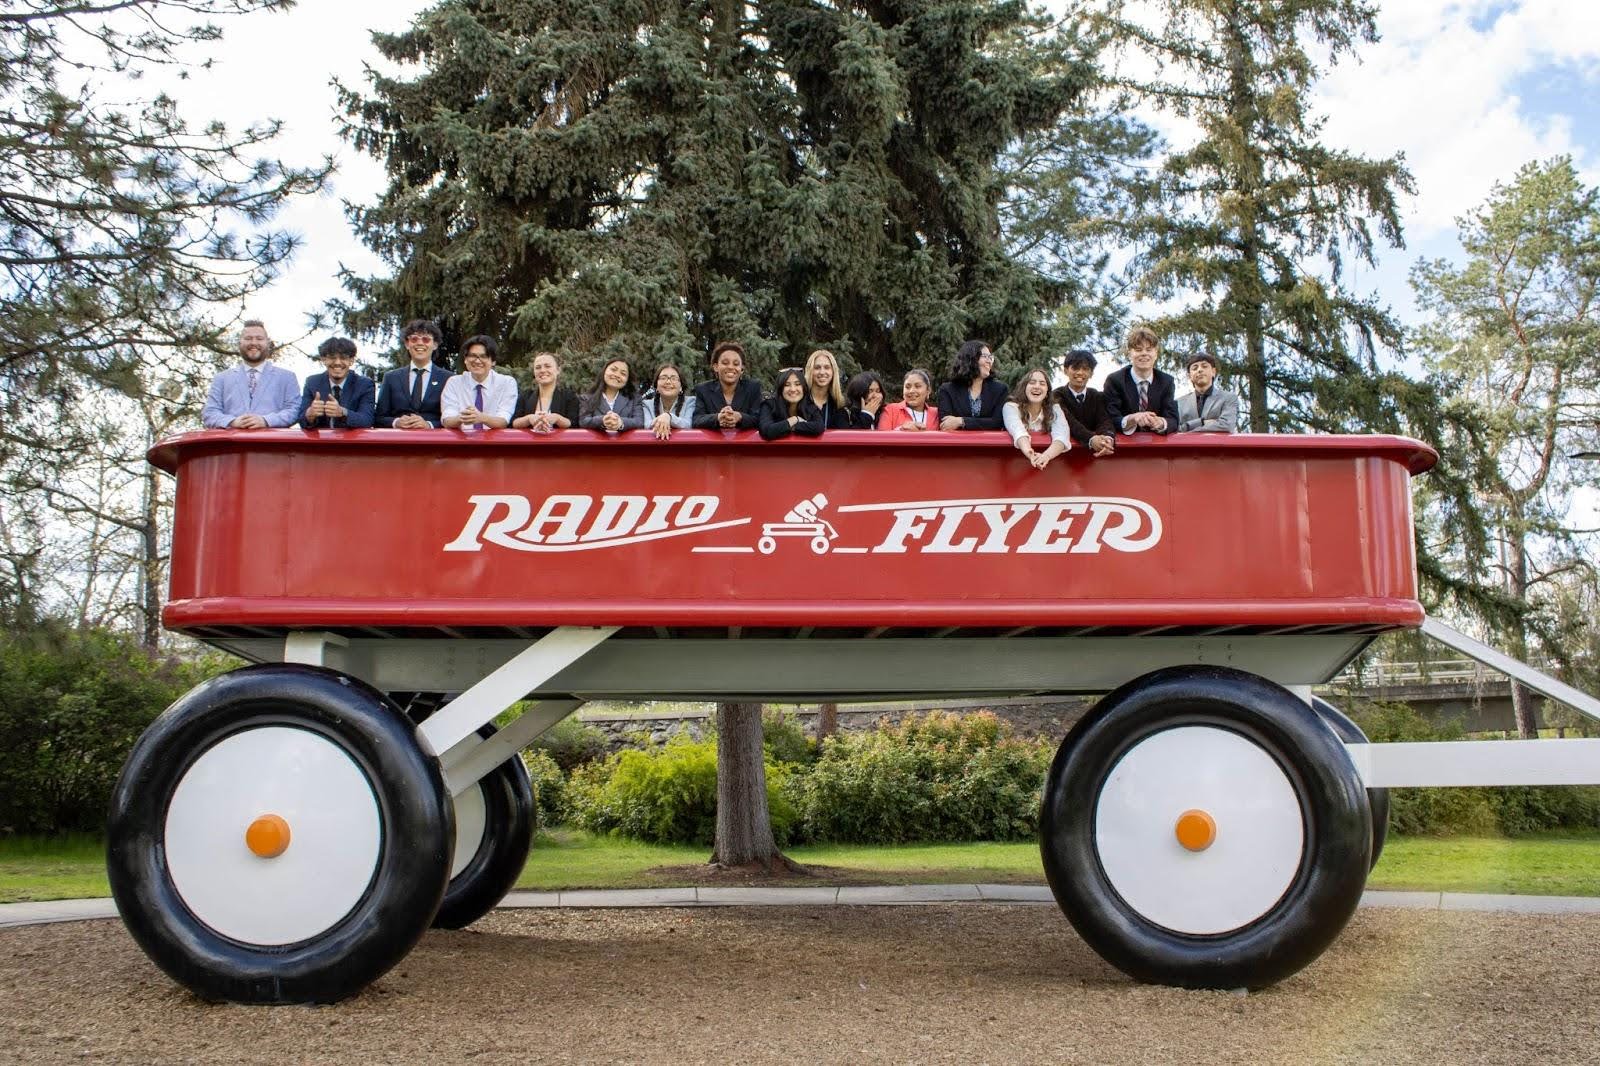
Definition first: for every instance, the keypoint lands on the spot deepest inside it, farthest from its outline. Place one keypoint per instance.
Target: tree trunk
(150, 568)
(1523, 704)
(744, 824)
(827, 721)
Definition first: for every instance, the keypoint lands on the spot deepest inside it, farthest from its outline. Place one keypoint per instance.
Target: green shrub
(664, 795)
(71, 706)
(936, 777)
(549, 788)
(784, 739)
(572, 742)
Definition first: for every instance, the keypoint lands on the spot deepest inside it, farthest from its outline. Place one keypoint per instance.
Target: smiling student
(337, 398)
(728, 400)
(482, 398)
(912, 413)
(611, 406)
(410, 396)
(971, 398)
(1140, 398)
(1029, 410)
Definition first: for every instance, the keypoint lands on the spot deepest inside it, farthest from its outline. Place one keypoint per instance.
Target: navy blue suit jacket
(1122, 398)
(394, 398)
(357, 395)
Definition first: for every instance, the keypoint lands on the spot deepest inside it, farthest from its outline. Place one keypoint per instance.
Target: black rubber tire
(1324, 891)
(501, 855)
(413, 863)
(1377, 798)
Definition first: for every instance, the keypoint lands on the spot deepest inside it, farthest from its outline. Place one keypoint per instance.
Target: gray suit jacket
(1220, 416)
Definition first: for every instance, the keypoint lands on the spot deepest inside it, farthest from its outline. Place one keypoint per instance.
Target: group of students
(805, 401)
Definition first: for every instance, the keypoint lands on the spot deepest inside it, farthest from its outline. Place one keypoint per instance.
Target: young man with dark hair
(729, 400)
(410, 395)
(1210, 408)
(1140, 398)
(1084, 407)
(255, 394)
(337, 398)
(481, 397)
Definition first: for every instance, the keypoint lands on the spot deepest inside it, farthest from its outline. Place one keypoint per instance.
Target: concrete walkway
(75, 910)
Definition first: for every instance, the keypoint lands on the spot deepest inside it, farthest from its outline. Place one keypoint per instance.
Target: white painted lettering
(908, 524)
(995, 542)
(950, 521)
(478, 527)
(660, 507)
(1122, 536)
(1050, 533)
(617, 517)
(696, 510)
(566, 513)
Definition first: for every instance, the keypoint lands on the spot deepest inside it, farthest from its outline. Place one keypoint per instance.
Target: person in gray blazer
(1210, 408)
(613, 404)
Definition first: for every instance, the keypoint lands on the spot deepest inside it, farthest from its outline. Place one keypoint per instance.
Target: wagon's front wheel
(1203, 827)
(277, 836)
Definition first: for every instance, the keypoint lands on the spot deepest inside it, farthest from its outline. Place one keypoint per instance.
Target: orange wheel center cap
(1196, 830)
(268, 836)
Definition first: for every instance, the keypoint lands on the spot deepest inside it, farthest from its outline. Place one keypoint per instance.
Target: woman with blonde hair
(1029, 409)
(824, 399)
(547, 404)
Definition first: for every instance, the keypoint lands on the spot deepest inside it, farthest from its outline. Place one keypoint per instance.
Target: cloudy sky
(1467, 90)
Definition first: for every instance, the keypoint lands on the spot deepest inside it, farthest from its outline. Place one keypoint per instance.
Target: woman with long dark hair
(864, 397)
(912, 413)
(971, 397)
(782, 413)
(611, 406)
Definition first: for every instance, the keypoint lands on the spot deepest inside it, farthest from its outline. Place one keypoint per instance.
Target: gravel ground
(958, 983)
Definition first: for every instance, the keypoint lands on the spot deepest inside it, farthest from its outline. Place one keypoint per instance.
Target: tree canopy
(647, 178)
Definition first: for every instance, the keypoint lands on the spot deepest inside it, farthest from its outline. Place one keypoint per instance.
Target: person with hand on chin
(548, 404)
(1029, 410)
(410, 395)
(337, 398)
(727, 401)
(482, 398)
(971, 398)
(912, 413)
(255, 394)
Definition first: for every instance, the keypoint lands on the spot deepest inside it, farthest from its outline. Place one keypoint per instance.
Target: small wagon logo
(803, 520)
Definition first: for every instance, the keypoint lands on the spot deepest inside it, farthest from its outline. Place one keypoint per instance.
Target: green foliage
(936, 777)
(646, 179)
(71, 706)
(784, 739)
(572, 743)
(1475, 811)
(664, 795)
(549, 788)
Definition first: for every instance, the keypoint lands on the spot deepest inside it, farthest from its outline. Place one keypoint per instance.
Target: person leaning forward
(410, 395)
(337, 398)
(728, 400)
(1085, 408)
(1210, 408)
(255, 394)
(1140, 398)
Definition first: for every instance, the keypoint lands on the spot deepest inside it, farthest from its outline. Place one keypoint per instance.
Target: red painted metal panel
(389, 528)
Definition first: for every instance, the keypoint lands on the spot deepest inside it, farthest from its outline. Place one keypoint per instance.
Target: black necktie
(337, 391)
(1200, 399)
(417, 378)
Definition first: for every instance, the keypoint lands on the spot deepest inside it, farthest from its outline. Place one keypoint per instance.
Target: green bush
(664, 795)
(1478, 811)
(938, 777)
(549, 788)
(572, 743)
(71, 706)
(784, 739)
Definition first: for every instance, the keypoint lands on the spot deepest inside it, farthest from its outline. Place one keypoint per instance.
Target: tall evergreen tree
(648, 177)
(1258, 215)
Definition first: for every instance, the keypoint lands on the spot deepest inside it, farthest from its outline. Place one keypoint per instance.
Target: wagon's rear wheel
(494, 828)
(277, 836)
(1203, 827)
(1377, 798)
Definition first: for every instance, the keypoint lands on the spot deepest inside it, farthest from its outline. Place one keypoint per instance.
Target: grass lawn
(1564, 864)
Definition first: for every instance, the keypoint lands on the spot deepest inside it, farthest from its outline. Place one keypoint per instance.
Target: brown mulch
(961, 983)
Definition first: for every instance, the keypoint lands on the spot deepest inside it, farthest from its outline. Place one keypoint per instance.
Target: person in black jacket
(727, 401)
(864, 396)
(548, 404)
(824, 401)
(971, 398)
(1140, 398)
(1084, 407)
(781, 412)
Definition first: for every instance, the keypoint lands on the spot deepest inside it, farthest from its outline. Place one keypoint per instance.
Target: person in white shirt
(1030, 409)
(482, 397)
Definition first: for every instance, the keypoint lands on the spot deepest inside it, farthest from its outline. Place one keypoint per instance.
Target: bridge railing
(1428, 672)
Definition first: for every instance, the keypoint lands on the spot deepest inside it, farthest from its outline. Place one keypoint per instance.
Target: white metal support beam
(1445, 763)
(466, 764)
(315, 649)
(1541, 683)
(526, 671)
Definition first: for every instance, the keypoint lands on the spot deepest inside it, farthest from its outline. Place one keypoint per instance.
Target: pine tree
(646, 178)
(1258, 215)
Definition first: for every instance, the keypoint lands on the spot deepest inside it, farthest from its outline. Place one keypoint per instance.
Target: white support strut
(467, 763)
(461, 718)
(1449, 763)
(1541, 683)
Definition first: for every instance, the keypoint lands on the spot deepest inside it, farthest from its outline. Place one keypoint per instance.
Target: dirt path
(966, 984)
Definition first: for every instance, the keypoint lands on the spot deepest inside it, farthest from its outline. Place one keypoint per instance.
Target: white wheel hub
(472, 817)
(1236, 877)
(335, 835)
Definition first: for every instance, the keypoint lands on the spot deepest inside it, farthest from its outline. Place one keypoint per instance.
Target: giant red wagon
(286, 833)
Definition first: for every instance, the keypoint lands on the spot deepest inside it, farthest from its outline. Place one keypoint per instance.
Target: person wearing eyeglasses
(971, 397)
(482, 398)
(337, 398)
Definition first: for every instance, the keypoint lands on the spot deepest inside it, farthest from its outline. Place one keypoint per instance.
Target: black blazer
(708, 402)
(394, 398)
(357, 395)
(773, 419)
(563, 401)
(953, 399)
(1122, 398)
(1086, 419)
(859, 419)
